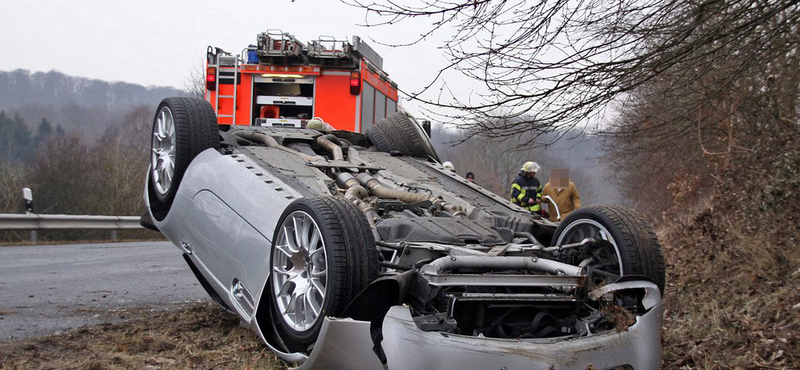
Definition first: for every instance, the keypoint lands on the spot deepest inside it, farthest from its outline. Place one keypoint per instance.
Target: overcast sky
(158, 42)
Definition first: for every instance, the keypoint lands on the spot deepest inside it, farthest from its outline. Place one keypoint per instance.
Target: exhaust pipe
(383, 191)
(260, 137)
(330, 146)
(355, 193)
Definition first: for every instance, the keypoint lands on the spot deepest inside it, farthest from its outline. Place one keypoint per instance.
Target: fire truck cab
(283, 82)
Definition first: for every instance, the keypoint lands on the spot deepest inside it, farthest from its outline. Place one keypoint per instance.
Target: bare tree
(701, 119)
(13, 177)
(123, 165)
(195, 84)
(495, 163)
(555, 64)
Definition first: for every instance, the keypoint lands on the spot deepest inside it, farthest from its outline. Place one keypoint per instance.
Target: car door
(250, 269)
(213, 230)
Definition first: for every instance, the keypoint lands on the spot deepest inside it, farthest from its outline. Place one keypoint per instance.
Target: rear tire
(399, 132)
(323, 255)
(633, 250)
(182, 128)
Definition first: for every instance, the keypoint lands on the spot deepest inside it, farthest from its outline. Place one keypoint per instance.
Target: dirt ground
(202, 336)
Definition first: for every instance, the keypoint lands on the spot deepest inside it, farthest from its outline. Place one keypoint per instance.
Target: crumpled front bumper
(346, 344)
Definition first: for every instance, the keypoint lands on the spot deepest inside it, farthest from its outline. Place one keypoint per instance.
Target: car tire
(335, 232)
(400, 132)
(632, 241)
(182, 128)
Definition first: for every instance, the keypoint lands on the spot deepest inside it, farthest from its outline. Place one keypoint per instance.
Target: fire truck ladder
(229, 62)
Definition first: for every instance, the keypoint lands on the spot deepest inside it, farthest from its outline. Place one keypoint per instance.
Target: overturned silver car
(344, 250)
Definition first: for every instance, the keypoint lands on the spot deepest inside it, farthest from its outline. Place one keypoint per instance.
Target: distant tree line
(21, 87)
(70, 174)
(18, 142)
(80, 105)
(80, 144)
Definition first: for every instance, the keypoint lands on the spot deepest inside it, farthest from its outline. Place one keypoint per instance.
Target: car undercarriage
(369, 233)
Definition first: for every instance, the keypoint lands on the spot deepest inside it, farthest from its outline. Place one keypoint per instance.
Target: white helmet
(317, 123)
(449, 165)
(530, 167)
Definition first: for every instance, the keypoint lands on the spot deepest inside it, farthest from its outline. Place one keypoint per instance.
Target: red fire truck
(283, 82)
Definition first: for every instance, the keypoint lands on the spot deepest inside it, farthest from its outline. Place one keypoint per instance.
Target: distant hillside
(21, 87)
(76, 104)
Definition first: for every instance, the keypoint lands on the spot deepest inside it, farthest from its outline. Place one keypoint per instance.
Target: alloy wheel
(581, 229)
(300, 271)
(162, 158)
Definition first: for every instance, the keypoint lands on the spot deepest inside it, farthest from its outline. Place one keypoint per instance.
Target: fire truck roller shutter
(333, 101)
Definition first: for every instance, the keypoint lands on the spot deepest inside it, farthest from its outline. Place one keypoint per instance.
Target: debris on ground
(620, 318)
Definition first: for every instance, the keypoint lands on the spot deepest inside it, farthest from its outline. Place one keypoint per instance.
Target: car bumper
(346, 343)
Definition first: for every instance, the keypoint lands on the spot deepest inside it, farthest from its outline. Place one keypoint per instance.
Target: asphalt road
(47, 289)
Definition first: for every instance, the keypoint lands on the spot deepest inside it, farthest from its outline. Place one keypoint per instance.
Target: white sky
(158, 42)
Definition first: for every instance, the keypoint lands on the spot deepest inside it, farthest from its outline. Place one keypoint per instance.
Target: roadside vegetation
(199, 337)
(70, 173)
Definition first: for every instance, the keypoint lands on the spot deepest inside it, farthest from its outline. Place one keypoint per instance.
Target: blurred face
(559, 178)
(470, 179)
(530, 174)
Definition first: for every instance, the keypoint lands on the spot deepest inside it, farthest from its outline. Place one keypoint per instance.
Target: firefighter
(449, 166)
(526, 190)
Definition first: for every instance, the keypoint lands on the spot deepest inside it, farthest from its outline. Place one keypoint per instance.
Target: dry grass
(732, 296)
(200, 337)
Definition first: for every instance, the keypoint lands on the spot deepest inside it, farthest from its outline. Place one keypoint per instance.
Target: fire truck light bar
(274, 75)
(282, 69)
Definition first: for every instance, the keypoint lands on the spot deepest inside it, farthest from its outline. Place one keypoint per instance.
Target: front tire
(631, 246)
(182, 128)
(323, 255)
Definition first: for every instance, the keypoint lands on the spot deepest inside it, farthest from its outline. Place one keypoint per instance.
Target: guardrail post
(114, 235)
(27, 195)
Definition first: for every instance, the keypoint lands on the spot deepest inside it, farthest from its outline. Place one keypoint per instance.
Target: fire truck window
(284, 89)
(367, 107)
(380, 106)
(295, 111)
(391, 107)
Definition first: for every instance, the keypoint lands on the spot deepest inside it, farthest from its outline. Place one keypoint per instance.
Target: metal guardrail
(34, 222)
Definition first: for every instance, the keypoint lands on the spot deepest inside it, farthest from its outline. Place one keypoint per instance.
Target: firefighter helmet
(530, 166)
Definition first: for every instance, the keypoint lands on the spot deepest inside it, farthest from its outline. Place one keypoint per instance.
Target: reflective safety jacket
(525, 188)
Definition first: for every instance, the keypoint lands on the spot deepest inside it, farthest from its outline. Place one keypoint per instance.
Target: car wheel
(400, 132)
(182, 128)
(631, 247)
(323, 255)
